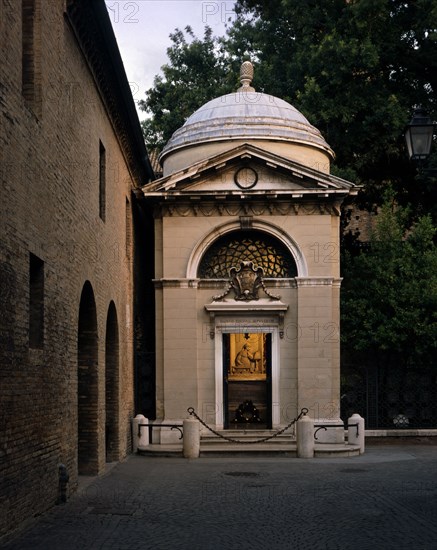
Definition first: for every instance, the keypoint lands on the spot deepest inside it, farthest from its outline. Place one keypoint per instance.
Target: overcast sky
(142, 29)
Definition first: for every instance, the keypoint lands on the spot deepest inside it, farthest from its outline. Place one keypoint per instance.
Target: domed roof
(246, 115)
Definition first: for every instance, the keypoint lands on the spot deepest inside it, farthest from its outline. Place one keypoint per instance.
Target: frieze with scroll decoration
(255, 209)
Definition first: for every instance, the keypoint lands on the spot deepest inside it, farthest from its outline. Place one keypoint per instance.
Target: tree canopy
(389, 295)
(196, 73)
(355, 68)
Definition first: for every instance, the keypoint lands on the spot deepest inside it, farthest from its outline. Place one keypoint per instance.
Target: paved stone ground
(386, 499)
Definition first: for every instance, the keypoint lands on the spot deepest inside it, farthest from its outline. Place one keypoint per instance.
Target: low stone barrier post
(63, 482)
(305, 437)
(352, 437)
(191, 438)
(143, 440)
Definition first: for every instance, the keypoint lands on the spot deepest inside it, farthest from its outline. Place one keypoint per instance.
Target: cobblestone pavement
(386, 499)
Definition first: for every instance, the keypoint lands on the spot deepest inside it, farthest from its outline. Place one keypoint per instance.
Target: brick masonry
(49, 187)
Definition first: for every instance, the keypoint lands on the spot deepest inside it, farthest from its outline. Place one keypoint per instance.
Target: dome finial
(246, 76)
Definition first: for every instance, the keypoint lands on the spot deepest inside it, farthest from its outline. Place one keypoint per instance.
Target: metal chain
(192, 412)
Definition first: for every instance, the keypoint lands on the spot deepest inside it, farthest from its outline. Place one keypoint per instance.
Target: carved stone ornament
(246, 282)
(246, 177)
(246, 77)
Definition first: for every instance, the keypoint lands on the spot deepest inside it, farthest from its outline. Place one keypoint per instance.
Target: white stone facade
(206, 196)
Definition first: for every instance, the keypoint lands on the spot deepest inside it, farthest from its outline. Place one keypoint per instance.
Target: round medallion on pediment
(246, 177)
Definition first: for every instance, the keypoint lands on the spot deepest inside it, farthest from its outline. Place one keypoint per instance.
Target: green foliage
(389, 295)
(355, 68)
(196, 73)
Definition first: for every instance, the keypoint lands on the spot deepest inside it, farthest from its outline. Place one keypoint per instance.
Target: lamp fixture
(419, 134)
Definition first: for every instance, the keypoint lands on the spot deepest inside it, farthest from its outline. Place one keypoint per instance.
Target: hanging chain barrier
(303, 412)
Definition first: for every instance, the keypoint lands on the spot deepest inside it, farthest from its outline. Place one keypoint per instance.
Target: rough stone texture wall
(49, 177)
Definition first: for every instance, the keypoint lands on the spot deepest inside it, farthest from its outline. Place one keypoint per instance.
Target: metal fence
(390, 397)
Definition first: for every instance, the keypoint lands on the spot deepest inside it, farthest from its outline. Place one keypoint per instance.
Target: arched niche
(271, 231)
(112, 442)
(87, 384)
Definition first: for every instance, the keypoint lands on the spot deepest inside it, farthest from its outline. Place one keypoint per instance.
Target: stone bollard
(137, 441)
(352, 437)
(191, 438)
(305, 437)
(63, 481)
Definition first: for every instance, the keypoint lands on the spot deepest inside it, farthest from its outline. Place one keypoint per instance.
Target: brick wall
(49, 204)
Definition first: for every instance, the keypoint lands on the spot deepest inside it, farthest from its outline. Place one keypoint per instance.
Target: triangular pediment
(250, 171)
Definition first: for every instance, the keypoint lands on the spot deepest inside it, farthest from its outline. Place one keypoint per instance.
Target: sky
(142, 29)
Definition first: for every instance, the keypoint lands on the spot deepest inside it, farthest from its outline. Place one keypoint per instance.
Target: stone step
(214, 441)
(247, 435)
(333, 450)
(322, 450)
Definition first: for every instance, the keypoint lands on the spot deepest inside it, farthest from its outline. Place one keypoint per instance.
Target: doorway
(247, 380)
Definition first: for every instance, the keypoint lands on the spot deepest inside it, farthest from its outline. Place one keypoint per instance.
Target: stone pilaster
(318, 347)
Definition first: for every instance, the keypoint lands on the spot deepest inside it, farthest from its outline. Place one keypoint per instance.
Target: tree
(389, 296)
(196, 73)
(355, 68)
(389, 324)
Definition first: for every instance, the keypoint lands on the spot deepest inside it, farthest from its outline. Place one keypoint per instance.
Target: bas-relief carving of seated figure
(245, 359)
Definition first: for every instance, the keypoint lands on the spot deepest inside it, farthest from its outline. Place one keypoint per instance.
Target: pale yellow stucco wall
(308, 353)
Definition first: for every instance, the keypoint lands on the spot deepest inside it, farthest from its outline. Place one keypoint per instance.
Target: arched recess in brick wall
(112, 386)
(87, 387)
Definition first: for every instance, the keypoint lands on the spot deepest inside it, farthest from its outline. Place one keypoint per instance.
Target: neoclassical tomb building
(247, 277)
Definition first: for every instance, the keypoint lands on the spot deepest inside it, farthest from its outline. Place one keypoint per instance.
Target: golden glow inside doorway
(247, 380)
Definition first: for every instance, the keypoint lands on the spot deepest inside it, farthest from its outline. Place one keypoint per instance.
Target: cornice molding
(265, 306)
(175, 283)
(318, 281)
(215, 177)
(217, 283)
